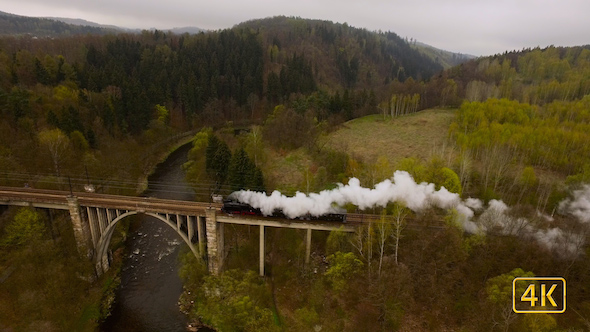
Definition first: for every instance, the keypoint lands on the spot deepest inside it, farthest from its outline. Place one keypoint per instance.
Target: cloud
(477, 27)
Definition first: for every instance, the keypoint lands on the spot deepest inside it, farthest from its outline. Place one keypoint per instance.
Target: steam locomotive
(233, 207)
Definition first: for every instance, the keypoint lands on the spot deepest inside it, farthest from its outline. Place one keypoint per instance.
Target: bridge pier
(215, 242)
(262, 251)
(307, 246)
(99, 220)
(201, 235)
(81, 228)
(190, 230)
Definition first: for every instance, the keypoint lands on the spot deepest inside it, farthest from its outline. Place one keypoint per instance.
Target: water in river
(150, 286)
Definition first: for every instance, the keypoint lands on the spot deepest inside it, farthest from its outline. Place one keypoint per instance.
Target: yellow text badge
(538, 295)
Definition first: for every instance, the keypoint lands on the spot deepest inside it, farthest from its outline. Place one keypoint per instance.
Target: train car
(235, 207)
(339, 217)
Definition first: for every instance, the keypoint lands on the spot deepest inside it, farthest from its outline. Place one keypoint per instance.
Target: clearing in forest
(416, 135)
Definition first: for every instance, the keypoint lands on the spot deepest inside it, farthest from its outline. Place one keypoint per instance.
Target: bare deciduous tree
(399, 223)
(57, 143)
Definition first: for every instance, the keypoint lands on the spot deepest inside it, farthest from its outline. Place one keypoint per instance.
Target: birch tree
(363, 242)
(57, 143)
(384, 232)
(398, 224)
(255, 145)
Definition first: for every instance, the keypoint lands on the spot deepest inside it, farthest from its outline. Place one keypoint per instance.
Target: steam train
(233, 207)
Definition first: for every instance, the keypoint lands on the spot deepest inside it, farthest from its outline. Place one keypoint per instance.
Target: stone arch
(100, 255)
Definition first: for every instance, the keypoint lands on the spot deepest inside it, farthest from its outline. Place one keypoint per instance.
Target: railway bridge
(200, 225)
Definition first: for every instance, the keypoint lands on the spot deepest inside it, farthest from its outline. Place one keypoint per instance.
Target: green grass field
(285, 172)
(366, 139)
(415, 135)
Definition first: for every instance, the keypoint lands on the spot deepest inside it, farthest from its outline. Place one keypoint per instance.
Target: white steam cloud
(496, 218)
(401, 188)
(418, 196)
(579, 207)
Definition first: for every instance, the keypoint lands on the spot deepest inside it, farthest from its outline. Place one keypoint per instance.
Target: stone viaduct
(200, 225)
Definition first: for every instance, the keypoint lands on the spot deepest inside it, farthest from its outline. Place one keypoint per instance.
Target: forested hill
(348, 56)
(99, 88)
(11, 24)
(233, 74)
(535, 76)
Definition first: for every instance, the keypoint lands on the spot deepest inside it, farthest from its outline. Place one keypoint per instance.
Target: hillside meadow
(419, 135)
(415, 135)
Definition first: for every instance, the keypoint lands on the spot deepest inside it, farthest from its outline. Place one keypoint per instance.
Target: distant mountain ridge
(82, 22)
(8, 27)
(12, 24)
(444, 58)
(189, 30)
(78, 21)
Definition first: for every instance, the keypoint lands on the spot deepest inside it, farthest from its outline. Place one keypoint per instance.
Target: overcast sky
(475, 27)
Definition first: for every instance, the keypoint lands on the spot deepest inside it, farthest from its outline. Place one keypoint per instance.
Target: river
(150, 285)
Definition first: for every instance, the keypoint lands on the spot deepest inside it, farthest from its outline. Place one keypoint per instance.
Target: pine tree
(240, 170)
(243, 173)
(218, 157)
